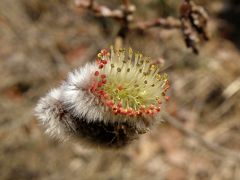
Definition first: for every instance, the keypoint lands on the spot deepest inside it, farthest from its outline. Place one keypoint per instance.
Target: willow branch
(166, 23)
(100, 10)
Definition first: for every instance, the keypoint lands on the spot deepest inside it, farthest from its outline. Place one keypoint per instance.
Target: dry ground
(40, 41)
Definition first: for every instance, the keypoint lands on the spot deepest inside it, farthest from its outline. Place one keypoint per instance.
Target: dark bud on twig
(194, 20)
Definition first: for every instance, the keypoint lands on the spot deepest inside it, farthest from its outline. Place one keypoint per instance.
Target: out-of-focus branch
(125, 13)
(192, 22)
(100, 10)
(209, 145)
(122, 14)
(167, 23)
(128, 9)
(126, 3)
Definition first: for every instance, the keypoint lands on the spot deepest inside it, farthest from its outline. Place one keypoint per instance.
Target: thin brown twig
(100, 10)
(91, 4)
(128, 11)
(119, 14)
(192, 22)
(166, 23)
(126, 2)
(209, 145)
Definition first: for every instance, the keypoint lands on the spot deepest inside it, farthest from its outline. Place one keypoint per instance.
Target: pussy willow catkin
(107, 103)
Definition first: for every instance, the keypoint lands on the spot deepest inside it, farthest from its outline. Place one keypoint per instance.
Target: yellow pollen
(134, 84)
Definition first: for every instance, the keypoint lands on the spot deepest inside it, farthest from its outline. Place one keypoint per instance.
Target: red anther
(104, 81)
(96, 73)
(129, 110)
(103, 76)
(96, 91)
(167, 98)
(104, 52)
(102, 92)
(165, 90)
(158, 109)
(109, 103)
(167, 86)
(104, 61)
(112, 103)
(121, 110)
(100, 84)
(118, 110)
(115, 112)
(134, 113)
(139, 113)
(149, 111)
(106, 96)
(154, 111)
(93, 87)
(159, 102)
(114, 108)
(131, 114)
(119, 104)
(151, 106)
(100, 66)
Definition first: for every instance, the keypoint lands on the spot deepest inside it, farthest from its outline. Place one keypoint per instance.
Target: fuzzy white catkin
(64, 111)
(77, 98)
(48, 113)
(81, 102)
(56, 109)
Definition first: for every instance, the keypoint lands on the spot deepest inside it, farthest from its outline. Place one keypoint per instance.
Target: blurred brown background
(42, 40)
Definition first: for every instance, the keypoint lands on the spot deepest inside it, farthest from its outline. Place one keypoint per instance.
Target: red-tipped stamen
(96, 73)
(103, 76)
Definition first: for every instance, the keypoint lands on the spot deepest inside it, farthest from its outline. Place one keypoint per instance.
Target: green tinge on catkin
(129, 83)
